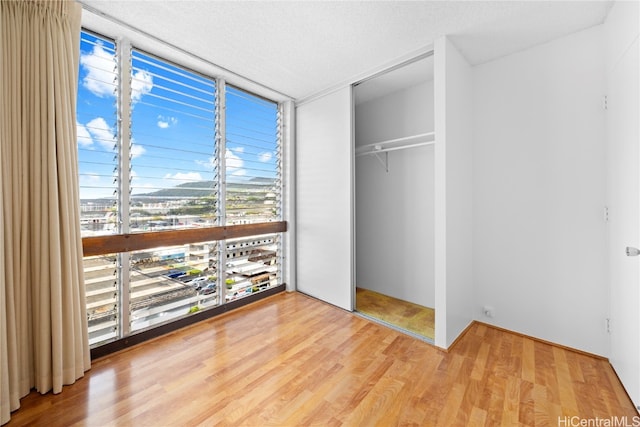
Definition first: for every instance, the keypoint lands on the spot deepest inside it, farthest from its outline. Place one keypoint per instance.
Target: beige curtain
(43, 326)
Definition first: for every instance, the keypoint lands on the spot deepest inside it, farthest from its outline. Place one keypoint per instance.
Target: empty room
(319, 213)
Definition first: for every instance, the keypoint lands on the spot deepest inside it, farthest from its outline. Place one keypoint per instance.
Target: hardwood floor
(403, 314)
(292, 360)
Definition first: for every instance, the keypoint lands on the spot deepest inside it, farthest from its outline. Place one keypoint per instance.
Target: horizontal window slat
(174, 101)
(199, 100)
(171, 69)
(204, 119)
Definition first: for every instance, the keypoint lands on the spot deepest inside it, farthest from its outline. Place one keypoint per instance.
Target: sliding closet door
(324, 198)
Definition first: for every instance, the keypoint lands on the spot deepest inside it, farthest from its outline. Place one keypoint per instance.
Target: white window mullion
(287, 148)
(124, 140)
(281, 190)
(221, 149)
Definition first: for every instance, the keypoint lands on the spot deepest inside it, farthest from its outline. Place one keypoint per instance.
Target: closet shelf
(397, 144)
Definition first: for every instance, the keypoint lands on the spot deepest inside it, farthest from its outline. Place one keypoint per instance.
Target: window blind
(253, 190)
(173, 146)
(252, 157)
(98, 160)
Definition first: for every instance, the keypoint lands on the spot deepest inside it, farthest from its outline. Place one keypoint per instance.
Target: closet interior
(394, 197)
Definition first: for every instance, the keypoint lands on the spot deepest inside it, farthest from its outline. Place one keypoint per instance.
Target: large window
(165, 148)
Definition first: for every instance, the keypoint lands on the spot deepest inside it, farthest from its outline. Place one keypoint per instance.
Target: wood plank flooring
(292, 360)
(403, 314)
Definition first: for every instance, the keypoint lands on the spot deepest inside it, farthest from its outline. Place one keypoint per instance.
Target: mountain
(205, 188)
(182, 191)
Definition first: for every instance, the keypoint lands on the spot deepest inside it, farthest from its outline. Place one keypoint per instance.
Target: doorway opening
(394, 197)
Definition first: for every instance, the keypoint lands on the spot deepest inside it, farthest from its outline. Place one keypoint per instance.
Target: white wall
(539, 234)
(453, 193)
(394, 209)
(403, 113)
(623, 189)
(324, 175)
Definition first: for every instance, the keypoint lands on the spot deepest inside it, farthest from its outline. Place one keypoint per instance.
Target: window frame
(124, 47)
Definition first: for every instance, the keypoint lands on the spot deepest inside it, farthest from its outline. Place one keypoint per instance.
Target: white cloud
(101, 133)
(165, 122)
(98, 130)
(100, 79)
(265, 157)
(210, 163)
(234, 163)
(141, 84)
(100, 66)
(84, 137)
(185, 177)
(136, 150)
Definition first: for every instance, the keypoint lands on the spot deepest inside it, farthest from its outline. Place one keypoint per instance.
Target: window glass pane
(173, 185)
(173, 146)
(96, 121)
(171, 282)
(96, 124)
(252, 158)
(253, 191)
(101, 288)
(252, 265)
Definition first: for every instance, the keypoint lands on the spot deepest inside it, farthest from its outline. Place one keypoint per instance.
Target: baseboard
(625, 390)
(540, 340)
(458, 338)
(567, 348)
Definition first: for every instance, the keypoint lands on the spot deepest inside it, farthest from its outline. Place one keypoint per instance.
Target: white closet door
(324, 198)
(623, 193)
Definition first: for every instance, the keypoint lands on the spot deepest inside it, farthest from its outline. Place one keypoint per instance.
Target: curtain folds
(43, 326)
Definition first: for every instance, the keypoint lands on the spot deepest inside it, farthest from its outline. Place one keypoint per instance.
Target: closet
(395, 198)
(393, 212)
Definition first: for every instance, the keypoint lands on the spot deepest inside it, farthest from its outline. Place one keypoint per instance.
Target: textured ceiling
(301, 48)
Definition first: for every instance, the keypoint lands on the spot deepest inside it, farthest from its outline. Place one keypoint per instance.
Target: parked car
(197, 283)
(176, 274)
(209, 288)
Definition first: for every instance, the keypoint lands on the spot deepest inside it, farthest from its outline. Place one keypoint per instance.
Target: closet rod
(385, 150)
(397, 144)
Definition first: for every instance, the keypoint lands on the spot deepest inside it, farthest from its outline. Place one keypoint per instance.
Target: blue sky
(172, 125)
